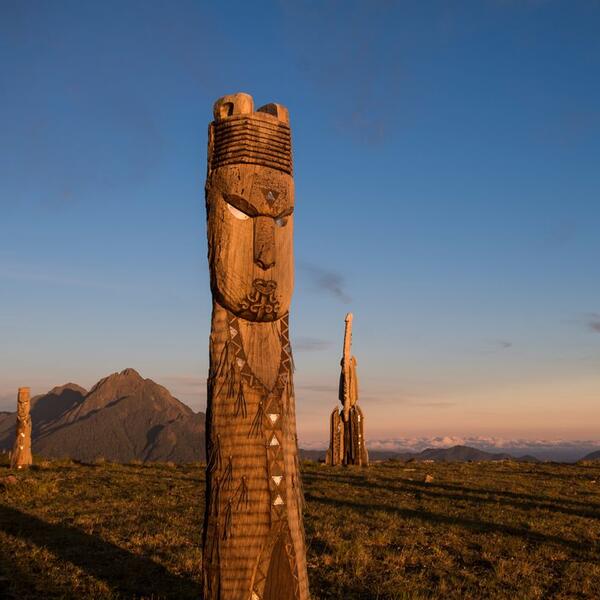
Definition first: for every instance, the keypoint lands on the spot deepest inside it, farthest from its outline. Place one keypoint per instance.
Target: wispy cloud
(560, 235)
(316, 387)
(345, 68)
(435, 404)
(501, 344)
(326, 280)
(193, 382)
(309, 344)
(8, 401)
(559, 449)
(481, 442)
(520, 3)
(18, 272)
(593, 322)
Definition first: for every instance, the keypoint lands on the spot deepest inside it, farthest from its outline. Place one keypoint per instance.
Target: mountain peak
(129, 377)
(72, 387)
(130, 373)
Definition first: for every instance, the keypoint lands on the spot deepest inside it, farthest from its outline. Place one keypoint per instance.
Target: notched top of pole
(23, 401)
(240, 134)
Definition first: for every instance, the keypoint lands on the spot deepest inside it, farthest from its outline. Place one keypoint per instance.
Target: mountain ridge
(457, 453)
(123, 417)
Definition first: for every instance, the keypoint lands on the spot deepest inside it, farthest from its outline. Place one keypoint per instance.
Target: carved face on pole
(250, 206)
(23, 403)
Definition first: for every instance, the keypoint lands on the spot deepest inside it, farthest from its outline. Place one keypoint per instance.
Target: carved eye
(281, 221)
(238, 214)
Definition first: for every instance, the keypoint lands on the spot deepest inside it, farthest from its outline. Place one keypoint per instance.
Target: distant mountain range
(125, 417)
(122, 418)
(455, 453)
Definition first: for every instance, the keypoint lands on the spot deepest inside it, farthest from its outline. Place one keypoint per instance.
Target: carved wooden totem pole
(347, 442)
(254, 546)
(20, 457)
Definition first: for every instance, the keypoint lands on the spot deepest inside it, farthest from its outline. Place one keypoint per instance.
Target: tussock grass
(480, 530)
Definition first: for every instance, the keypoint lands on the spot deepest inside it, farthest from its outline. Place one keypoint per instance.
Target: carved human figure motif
(21, 457)
(347, 439)
(253, 543)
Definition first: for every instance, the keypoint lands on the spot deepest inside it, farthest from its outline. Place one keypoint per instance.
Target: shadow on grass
(520, 496)
(130, 575)
(474, 496)
(470, 524)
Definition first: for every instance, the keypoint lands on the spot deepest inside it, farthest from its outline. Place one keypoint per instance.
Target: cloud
(501, 344)
(416, 444)
(357, 89)
(315, 387)
(190, 389)
(327, 281)
(593, 322)
(435, 404)
(559, 449)
(8, 401)
(187, 382)
(309, 344)
(520, 4)
(21, 272)
(493, 346)
(560, 235)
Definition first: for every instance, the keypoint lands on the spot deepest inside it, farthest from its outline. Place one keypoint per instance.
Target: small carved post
(21, 455)
(253, 544)
(347, 440)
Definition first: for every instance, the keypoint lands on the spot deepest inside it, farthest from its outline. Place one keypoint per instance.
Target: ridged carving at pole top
(253, 543)
(21, 457)
(347, 437)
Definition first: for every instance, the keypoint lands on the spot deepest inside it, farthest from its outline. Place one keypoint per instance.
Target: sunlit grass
(478, 530)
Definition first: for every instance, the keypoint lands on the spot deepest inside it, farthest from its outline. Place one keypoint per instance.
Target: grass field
(477, 530)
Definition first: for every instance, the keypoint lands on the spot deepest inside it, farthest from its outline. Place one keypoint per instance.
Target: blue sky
(447, 192)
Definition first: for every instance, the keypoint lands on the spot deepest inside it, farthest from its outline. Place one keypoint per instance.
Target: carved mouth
(261, 304)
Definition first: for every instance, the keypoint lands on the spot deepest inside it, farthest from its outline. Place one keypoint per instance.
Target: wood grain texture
(253, 544)
(21, 457)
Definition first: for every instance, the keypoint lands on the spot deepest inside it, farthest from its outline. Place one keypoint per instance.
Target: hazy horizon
(447, 193)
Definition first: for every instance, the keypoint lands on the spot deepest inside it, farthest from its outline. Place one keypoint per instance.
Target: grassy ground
(481, 530)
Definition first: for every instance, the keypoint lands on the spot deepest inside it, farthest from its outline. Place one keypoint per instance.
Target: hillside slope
(122, 418)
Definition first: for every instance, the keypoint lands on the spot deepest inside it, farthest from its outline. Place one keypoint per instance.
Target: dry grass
(481, 530)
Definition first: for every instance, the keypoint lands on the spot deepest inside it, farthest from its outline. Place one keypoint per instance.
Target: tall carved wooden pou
(254, 546)
(20, 457)
(347, 440)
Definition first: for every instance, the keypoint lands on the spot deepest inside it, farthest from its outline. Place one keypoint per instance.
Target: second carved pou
(21, 455)
(254, 546)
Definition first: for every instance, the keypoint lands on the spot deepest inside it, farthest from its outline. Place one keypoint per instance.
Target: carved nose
(264, 242)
